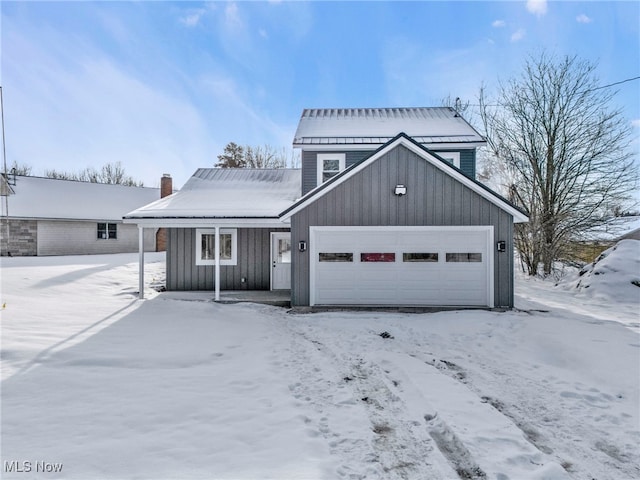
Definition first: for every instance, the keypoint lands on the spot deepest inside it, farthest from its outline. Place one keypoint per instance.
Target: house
(385, 211)
(44, 216)
(241, 208)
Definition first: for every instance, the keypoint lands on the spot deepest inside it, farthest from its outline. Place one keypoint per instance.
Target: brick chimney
(166, 189)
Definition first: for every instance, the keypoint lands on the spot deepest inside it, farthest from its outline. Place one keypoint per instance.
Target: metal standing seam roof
(376, 126)
(48, 198)
(228, 193)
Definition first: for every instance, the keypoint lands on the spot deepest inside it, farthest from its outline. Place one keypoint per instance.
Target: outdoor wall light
(302, 246)
(400, 190)
(501, 246)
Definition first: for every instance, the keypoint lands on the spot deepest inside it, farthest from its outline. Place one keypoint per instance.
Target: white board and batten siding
(402, 266)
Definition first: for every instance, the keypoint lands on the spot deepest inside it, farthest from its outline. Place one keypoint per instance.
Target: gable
(430, 181)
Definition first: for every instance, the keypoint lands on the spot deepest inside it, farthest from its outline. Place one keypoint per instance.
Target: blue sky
(164, 86)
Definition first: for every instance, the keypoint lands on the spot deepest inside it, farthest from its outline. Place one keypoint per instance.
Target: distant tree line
(110, 173)
(266, 156)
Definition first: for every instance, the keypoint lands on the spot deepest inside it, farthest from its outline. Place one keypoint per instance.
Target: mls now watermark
(28, 467)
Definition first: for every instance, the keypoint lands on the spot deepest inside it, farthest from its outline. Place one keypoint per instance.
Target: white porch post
(217, 263)
(141, 262)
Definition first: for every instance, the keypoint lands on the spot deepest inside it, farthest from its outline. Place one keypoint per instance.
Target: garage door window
(419, 257)
(377, 257)
(464, 257)
(335, 257)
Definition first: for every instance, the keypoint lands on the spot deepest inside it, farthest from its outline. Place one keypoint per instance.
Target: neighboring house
(390, 214)
(628, 228)
(44, 216)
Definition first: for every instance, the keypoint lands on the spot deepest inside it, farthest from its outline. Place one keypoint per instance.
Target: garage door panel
(422, 277)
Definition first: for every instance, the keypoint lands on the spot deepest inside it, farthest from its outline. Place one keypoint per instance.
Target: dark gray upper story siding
(254, 262)
(433, 198)
(310, 164)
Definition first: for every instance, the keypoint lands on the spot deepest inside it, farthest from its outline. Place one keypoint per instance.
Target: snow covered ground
(99, 385)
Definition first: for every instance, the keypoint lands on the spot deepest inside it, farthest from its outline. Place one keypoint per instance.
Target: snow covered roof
(617, 229)
(429, 126)
(48, 198)
(227, 193)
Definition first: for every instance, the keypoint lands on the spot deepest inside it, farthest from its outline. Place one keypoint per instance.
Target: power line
(579, 93)
(612, 84)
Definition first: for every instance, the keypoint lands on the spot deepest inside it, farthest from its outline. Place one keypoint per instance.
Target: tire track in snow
(399, 446)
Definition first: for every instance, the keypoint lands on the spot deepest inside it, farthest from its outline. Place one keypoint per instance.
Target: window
(284, 250)
(464, 257)
(335, 257)
(329, 165)
(451, 157)
(206, 244)
(419, 257)
(377, 257)
(107, 231)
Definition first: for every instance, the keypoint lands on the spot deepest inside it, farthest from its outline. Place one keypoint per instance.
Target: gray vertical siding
(253, 261)
(433, 199)
(310, 164)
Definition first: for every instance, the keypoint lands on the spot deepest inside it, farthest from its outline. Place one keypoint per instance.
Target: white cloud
(193, 17)
(582, 18)
(518, 35)
(498, 24)
(537, 7)
(232, 16)
(86, 110)
(263, 33)
(635, 123)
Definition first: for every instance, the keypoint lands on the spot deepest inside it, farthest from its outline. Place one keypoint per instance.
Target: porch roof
(224, 196)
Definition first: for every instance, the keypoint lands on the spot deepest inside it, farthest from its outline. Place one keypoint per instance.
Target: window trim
(453, 156)
(106, 229)
(212, 231)
(341, 157)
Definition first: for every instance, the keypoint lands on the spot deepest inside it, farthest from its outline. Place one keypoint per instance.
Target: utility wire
(612, 84)
(585, 91)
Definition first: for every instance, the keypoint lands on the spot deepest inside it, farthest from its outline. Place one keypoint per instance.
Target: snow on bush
(614, 275)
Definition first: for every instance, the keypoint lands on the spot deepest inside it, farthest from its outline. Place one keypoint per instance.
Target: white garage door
(401, 266)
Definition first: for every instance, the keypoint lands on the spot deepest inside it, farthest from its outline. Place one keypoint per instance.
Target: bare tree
(236, 156)
(459, 105)
(20, 169)
(111, 173)
(565, 151)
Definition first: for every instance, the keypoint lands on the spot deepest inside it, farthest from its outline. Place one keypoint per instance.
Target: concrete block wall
(23, 237)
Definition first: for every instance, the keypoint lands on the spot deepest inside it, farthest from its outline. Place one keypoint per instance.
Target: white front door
(280, 261)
